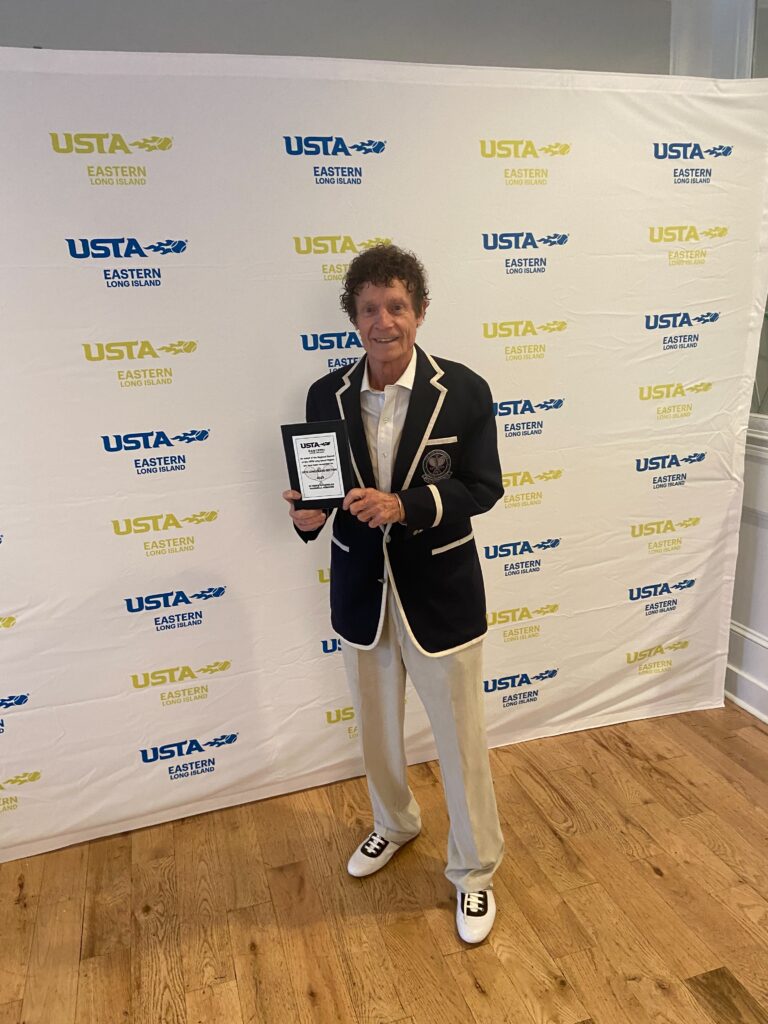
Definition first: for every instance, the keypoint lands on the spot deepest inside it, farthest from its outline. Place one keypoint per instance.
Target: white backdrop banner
(175, 230)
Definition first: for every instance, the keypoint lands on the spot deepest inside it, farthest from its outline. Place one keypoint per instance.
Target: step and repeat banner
(175, 231)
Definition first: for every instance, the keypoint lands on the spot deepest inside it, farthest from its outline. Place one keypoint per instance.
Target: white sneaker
(371, 855)
(475, 914)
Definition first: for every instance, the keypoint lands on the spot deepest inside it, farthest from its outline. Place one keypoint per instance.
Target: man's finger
(354, 495)
(291, 495)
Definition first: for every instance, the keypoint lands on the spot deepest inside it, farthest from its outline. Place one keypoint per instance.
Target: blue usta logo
(513, 548)
(122, 248)
(688, 151)
(330, 145)
(656, 462)
(674, 321)
(170, 599)
(517, 679)
(521, 240)
(14, 701)
(150, 439)
(183, 748)
(523, 406)
(658, 589)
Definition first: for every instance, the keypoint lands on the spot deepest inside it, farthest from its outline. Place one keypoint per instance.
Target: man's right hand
(305, 519)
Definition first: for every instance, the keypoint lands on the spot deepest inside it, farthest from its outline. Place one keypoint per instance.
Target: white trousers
(450, 687)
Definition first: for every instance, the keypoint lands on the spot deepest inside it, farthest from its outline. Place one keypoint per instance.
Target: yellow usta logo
(177, 674)
(522, 478)
(96, 352)
(684, 233)
(655, 392)
(7, 621)
(521, 328)
(521, 149)
(158, 523)
(654, 652)
(660, 526)
(106, 142)
(308, 245)
(524, 614)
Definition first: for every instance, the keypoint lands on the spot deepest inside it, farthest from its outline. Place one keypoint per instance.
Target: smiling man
(406, 586)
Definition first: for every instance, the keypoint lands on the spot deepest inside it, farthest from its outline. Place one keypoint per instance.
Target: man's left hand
(373, 507)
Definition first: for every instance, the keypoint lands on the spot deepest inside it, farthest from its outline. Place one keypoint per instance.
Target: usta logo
(521, 328)
(674, 321)
(122, 248)
(661, 526)
(183, 748)
(170, 599)
(308, 245)
(684, 233)
(654, 463)
(524, 406)
(655, 392)
(514, 548)
(520, 149)
(160, 522)
(520, 679)
(330, 340)
(521, 240)
(113, 350)
(654, 652)
(658, 589)
(106, 142)
(523, 614)
(330, 145)
(176, 674)
(150, 439)
(687, 151)
(523, 478)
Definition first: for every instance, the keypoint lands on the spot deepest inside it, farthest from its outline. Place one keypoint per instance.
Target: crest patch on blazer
(436, 466)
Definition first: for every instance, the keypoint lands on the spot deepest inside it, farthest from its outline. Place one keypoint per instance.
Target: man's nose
(385, 318)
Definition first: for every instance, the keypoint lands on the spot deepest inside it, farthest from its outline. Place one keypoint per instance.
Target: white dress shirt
(383, 415)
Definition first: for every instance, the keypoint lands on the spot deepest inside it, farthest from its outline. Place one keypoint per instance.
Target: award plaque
(319, 466)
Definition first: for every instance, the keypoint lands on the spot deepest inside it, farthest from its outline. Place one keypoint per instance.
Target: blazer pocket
(339, 544)
(453, 544)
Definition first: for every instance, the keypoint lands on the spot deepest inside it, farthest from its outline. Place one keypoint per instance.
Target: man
(406, 586)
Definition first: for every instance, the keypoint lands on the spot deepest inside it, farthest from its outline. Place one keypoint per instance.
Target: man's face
(387, 324)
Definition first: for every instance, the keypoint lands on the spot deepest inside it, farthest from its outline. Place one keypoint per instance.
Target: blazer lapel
(426, 400)
(348, 399)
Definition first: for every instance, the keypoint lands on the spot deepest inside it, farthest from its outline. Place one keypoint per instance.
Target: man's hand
(373, 507)
(305, 519)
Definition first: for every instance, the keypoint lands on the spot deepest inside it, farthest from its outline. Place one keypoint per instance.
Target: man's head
(385, 296)
(381, 265)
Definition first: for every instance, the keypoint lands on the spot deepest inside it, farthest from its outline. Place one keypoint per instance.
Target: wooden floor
(634, 891)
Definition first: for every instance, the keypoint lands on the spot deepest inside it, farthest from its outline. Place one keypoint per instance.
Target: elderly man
(406, 586)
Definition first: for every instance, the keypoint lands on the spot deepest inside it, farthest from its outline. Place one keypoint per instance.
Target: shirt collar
(405, 380)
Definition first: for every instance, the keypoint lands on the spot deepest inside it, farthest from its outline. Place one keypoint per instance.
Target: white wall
(603, 35)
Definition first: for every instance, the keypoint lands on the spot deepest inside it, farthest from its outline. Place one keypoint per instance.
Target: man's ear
(420, 320)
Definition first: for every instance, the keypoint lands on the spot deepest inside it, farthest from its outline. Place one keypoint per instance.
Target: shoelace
(374, 844)
(475, 903)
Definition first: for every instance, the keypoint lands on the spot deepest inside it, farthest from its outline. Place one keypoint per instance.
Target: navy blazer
(446, 470)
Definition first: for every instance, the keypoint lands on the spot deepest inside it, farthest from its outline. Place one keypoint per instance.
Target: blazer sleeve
(313, 415)
(475, 488)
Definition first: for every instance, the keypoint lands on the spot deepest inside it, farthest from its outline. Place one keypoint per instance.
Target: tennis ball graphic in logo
(7, 621)
(164, 143)
(189, 346)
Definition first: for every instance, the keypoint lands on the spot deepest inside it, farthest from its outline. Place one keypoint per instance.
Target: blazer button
(387, 539)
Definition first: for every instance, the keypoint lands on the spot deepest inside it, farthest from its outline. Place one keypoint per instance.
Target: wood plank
(157, 977)
(263, 983)
(205, 951)
(243, 875)
(541, 989)
(750, 967)
(729, 847)
(726, 999)
(216, 1004)
(678, 945)
(556, 808)
(107, 917)
(488, 992)
(593, 978)
(318, 981)
(543, 906)
(64, 874)
(21, 879)
(690, 901)
(152, 843)
(748, 907)
(754, 737)
(425, 985)
(638, 971)
(557, 859)
(280, 837)
(10, 1013)
(51, 989)
(653, 736)
(104, 989)
(313, 811)
(752, 759)
(17, 929)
